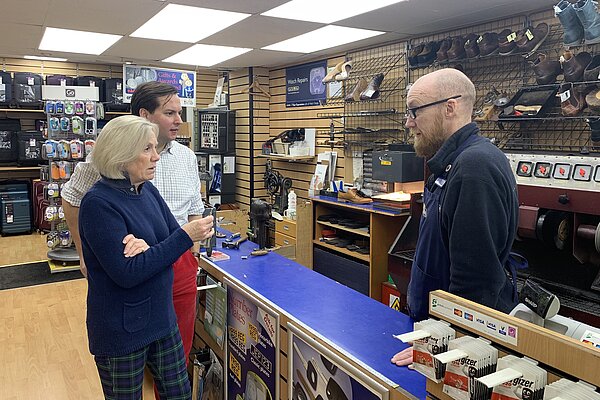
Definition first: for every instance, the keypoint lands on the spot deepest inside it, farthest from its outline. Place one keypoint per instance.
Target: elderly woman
(130, 316)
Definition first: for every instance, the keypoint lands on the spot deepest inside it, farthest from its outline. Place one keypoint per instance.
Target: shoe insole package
(529, 386)
(569, 390)
(531, 100)
(478, 358)
(440, 334)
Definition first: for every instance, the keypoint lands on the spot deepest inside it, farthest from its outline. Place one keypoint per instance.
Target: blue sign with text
(304, 86)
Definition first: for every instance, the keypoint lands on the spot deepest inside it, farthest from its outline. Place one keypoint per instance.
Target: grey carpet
(32, 274)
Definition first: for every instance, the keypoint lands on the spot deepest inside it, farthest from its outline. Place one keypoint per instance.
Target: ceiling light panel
(206, 55)
(187, 24)
(326, 11)
(70, 41)
(42, 58)
(323, 38)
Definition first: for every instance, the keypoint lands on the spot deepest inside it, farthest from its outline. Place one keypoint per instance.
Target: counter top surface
(355, 323)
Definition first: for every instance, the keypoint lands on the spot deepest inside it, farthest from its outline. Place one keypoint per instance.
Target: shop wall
(283, 118)
(252, 129)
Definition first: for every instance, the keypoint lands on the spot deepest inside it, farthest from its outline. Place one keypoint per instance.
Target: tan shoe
(354, 95)
(331, 75)
(354, 196)
(346, 68)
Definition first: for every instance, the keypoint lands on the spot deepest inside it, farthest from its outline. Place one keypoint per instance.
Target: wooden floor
(22, 249)
(43, 339)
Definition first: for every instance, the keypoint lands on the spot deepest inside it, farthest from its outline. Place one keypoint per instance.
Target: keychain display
(72, 128)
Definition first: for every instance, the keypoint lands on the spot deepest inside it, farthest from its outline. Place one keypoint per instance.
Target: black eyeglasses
(412, 112)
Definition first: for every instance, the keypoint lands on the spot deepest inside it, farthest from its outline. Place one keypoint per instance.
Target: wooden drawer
(286, 227)
(284, 240)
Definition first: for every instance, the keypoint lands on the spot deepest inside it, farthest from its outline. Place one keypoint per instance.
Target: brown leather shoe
(354, 195)
(574, 65)
(546, 71)
(506, 42)
(354, 95)
(428, 55)
(488, 44)
(572, 101)
(471, 46)
(592, 71)
(533, 38)
(457, 50)
(442, 53)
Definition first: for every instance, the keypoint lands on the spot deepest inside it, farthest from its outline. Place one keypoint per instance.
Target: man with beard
(470, 207)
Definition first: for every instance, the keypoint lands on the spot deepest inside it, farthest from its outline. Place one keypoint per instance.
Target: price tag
(63, 82)
(511, 37)
(32, 142)
(384, 162)
(529, 34)
(479, 39)
(565, 96)
(30, 81)
(368, 93)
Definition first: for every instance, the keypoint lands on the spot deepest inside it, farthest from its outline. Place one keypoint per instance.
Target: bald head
(448, 82)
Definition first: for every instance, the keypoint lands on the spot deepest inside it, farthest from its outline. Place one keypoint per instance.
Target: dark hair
(147, 94)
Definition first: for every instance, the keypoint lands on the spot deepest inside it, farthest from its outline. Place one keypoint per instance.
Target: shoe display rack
(559, 355)
(358, 237)
(72, 128)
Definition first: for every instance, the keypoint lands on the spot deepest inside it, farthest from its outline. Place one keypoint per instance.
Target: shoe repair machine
(278, 187)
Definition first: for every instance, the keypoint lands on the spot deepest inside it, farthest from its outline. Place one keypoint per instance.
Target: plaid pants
(122, 377)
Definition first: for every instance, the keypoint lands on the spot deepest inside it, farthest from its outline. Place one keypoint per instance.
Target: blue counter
(357, 325)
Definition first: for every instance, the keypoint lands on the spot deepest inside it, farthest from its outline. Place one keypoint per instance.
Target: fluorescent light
(71, 41)
(326, 11)
(323, 38)
(187, 24)
(205, 55)
(44, 58)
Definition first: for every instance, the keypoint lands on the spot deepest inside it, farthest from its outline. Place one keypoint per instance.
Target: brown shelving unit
(343, 250)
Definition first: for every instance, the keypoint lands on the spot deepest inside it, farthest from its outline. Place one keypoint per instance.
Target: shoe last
(573, 30)
(331, 75)
(346, 68)
(590, 20)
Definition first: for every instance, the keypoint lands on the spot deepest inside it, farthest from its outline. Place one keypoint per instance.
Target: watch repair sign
(252, 362)
(304, 86)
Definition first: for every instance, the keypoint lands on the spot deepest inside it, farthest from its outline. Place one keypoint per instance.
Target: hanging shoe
(533, 38)
(471, 46)
(488, 44)
(457, 50)
(546, 71)
(372, 90)
(331, 75)
(506, 42)
(574, 65)
(354, 95)
(590, 20)
(346, 67)
(572, 101)
(413, 54)
(573, 30)
(428, 55)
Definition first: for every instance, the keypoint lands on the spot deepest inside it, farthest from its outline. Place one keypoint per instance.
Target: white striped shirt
(176, 178)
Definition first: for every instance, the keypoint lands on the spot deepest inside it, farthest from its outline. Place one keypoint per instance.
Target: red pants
(184, 300)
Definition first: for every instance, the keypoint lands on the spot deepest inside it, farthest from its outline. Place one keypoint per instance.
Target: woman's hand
(134, 246)
(200, 229)
(405, 357)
